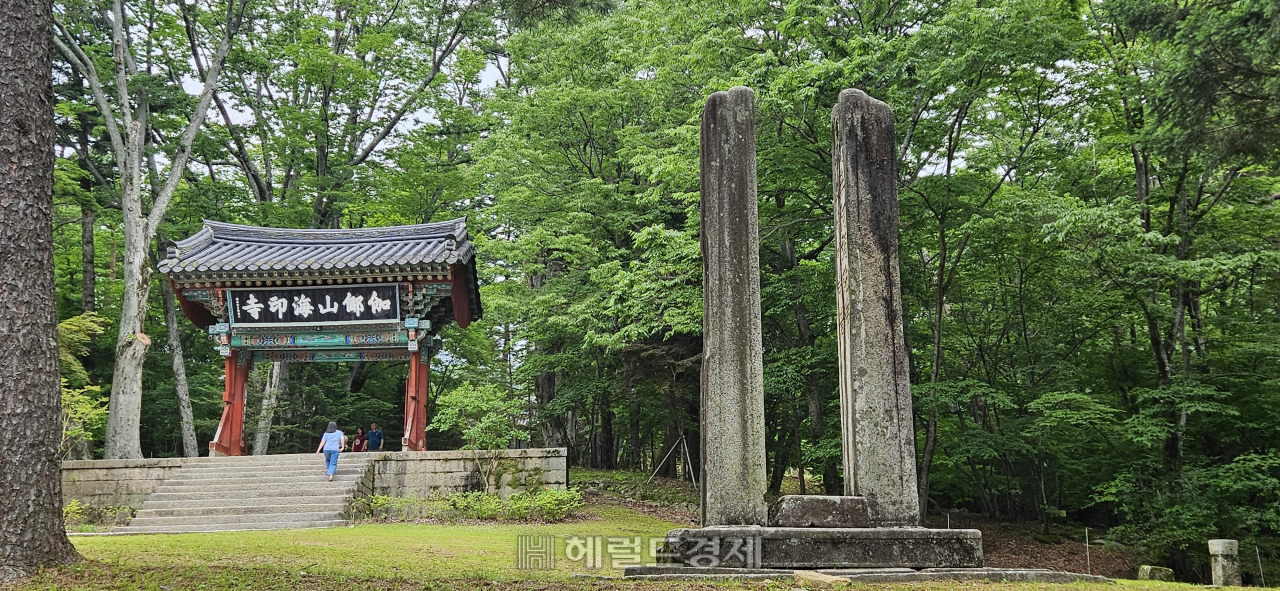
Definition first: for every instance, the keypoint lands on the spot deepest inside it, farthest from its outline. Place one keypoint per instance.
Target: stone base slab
(874, 575)
(819, 511)
(813, 548)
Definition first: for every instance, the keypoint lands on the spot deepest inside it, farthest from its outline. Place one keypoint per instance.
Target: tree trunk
(356, 378)
(270, 396)
(608, 456)
(32, 534)
(831, 483)
(633, 431)
(553, 427)
(799, 438)
(190, 447)
(935, 371)
(670, 440)
(781, 458)
(122, 441)
(88, 273)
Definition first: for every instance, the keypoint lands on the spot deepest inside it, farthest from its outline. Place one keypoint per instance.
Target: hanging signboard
(345, 304)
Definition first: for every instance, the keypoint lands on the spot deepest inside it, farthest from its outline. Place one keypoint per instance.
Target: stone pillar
(1224, 558)
(733, 457)
(875, 393)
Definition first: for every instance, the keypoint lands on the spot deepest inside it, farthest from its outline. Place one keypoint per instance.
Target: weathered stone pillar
(875, 392)
(1224, 559)
(733, 456)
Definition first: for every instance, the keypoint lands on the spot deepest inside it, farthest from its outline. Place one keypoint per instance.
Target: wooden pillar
(229, 438)
(460, 276)
(415, 403)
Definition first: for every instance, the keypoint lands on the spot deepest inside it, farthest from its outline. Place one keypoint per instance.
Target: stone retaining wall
(429, 473)
(115, 483)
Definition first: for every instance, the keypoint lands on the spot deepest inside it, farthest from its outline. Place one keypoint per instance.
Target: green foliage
(73, 335)
(84, 416)
(73, 511)
(557, 505)
(636, 485)
(84, 410)
(487, 416)
(475, 505)
(80, 516)
(545, 505)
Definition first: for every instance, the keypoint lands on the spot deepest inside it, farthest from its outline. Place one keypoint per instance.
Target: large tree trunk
(270, 396)
(122, 441)
(31, 528)
(190, 447)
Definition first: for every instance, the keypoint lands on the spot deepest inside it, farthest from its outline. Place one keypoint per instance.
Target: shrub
(520, 506)
(556, 505)
(476, 505)
(74, 512)
(547, 505)
(80, 516)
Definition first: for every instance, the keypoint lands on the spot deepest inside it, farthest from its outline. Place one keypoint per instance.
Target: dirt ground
(1011, 545)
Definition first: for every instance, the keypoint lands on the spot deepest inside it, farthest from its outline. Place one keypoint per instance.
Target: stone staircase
(288, 491)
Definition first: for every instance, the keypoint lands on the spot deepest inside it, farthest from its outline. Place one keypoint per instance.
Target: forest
(1090, 239)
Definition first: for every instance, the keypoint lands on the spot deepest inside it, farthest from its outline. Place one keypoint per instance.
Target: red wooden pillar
(415, 404)
(461, 294)
(229, 438)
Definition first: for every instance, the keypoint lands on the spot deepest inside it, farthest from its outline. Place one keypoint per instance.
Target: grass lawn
(391, 557)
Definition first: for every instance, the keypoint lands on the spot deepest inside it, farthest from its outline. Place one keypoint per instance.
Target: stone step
(205, 510)
(306, 462)
(216, 527)
(247, 479)
(250, 493)
(281, 460)
(255, 461)
(203, 475)
(220, 500)
(247, 518)
(277, 492)
(249, 485)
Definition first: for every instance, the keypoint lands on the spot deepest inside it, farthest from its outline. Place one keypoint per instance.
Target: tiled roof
(233, 251)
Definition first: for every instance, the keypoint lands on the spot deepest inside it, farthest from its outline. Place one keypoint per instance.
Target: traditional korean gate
(373, 294)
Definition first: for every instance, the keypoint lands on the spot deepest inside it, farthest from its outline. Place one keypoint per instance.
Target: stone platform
(869, 575)
(811, 548)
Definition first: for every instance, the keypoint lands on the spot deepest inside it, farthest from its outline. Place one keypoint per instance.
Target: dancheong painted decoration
(367, 294)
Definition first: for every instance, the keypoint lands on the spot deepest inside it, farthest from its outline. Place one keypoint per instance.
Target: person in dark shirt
(358, 444)
(374, 438)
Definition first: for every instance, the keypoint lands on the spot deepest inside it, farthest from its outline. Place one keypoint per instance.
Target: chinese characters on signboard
(315, 305)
